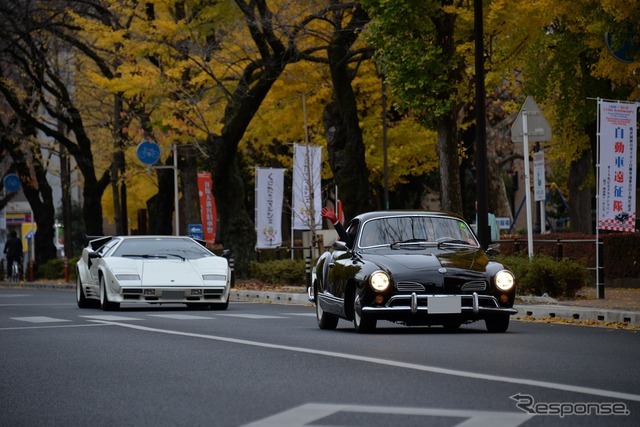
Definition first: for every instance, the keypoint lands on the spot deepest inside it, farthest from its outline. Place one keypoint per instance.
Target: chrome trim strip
(414, 303)
(425, 310)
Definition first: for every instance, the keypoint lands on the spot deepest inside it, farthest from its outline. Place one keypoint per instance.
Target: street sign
(195, 231)
(539, 182)
(11, 182)
(148, 152)
(537, 125)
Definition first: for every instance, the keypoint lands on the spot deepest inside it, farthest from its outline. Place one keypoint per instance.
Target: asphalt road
(269, 365)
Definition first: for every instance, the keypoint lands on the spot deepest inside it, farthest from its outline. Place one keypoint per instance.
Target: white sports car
(152, 269)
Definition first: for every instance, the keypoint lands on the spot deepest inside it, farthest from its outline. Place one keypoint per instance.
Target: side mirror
(493, 249)
(92, 255)
(339, 245)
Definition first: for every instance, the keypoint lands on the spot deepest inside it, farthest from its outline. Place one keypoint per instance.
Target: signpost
(529, 126)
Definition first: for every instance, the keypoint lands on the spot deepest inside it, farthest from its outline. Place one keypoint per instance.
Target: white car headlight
(128, 276)
(379, 281)
(220, 277)
(504, 280)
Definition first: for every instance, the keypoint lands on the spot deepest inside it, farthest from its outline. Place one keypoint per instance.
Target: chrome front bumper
(419, 304)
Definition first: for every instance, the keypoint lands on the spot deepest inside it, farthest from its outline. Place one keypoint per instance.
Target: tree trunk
(342, 126)
(580, 194)
(237, 232)
(450, 190)
(190, 200)
(40, 197)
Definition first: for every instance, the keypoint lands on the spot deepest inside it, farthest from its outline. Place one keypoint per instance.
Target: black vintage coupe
(411, 267)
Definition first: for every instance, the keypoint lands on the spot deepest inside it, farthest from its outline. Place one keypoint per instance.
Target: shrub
(545, 275)
(54, 269)
(280, 272)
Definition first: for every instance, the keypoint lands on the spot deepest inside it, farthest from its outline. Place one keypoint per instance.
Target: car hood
(431, 259)
(169, 272)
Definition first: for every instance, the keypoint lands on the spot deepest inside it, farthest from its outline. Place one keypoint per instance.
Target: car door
(95, 261)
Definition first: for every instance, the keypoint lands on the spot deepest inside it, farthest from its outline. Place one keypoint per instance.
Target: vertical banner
(307, 198)
(208, 214)
(617, 174)
(269, 198)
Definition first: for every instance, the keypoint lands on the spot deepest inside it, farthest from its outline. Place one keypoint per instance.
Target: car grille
(410, 287)
(474, 286)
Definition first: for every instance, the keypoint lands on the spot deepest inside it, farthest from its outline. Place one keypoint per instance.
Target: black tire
(220, 306)
(104, 298)
(452, 325)
(362, 323)
(82, 301)
(325, 320)
(498, 323)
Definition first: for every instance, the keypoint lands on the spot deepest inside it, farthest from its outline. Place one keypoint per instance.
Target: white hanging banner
(269, 197)
(307, 164)
(617, 172)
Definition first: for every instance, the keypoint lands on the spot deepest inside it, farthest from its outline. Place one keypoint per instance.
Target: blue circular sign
(11, 182)
(148, 152)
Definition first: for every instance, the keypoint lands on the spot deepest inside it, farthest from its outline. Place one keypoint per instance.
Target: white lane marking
(300, 314)
(397, 364)
(180, 316)
(22, 328)
(13, 295)
(252, 316)
(39, 319)
(309, 413)
(110, 318)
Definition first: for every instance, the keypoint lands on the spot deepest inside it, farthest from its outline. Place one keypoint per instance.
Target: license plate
(449, 304)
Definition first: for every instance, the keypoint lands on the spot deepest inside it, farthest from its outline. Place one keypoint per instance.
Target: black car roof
(391, 213)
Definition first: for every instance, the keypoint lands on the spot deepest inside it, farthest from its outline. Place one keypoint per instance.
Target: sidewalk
(619, 308)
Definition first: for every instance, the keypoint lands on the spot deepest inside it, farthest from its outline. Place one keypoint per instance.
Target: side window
(107, 246)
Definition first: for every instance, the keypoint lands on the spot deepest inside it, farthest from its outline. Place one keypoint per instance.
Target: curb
(627, 317)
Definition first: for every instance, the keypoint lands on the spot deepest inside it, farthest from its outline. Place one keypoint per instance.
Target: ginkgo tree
(556, 52)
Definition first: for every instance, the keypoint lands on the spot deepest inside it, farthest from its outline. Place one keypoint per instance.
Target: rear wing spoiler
(94, 242)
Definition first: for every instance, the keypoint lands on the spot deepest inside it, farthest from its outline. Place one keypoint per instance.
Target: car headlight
(379, 281)
(504, 280)
(128, 276)
(221, 277)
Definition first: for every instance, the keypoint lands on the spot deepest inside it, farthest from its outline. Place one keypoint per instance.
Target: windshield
(415, 229)
(159, 247)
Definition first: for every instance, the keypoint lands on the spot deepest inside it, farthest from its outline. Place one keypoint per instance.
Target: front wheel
(104, 298)
(498, 323)
(220, 305)
(325, 320)
(362, 323)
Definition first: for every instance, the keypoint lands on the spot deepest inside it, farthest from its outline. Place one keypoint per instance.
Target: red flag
(208, 213)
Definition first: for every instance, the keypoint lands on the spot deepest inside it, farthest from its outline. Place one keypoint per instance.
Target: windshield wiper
(177, 256)
(452, 241)
(142, 256)
(409, 241)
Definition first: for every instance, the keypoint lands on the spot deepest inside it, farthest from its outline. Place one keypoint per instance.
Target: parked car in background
(151, 269)
(411, 267)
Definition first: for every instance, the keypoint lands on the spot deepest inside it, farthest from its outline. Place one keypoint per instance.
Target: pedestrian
(13, 252)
